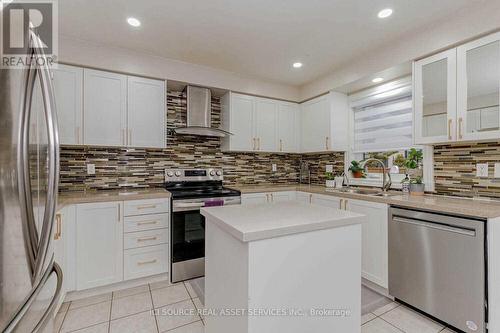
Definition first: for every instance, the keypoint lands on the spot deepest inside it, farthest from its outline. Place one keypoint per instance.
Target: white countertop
(255, 222)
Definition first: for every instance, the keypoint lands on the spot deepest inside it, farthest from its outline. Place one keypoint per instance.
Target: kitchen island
(282, 267)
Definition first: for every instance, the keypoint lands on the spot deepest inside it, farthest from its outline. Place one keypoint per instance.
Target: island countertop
(255, 222)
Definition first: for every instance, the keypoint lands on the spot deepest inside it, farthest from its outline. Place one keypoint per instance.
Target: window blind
(384, 126)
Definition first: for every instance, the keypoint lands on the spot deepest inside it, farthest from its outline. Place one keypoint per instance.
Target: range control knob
(212, 173)
(219, 173)
(177, 173)
(170, 174)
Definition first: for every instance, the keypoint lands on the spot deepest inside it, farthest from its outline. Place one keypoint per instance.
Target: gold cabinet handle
(449, 128)
(146, 207)
(345, 204)
(310, 198)
(281, 145)
(258, 143)
(254, 144)
(58, 233)
(327, 143)
(272, 197)
(340, 203)
(147, 223)
(460, 121)
(146, 239)
(119, 213)
(140, 263)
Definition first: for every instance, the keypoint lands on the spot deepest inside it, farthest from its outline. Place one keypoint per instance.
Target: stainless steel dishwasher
(437, 264)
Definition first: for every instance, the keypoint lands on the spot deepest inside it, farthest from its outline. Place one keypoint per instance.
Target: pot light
(377, 80)
(134, 22)
(297, 65)
(385, 13)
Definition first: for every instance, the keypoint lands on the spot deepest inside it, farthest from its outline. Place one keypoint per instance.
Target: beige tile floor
(129, 311)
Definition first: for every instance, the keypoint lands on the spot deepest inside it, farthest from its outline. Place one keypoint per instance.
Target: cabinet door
(435, 98)
(146, 112)
(99, 251)
(339, 123)
(254, 198)
(478, 87)
(287, 127)
(105, 108)
(266, 112)
(315, 120)
(68, 92)
(375, 267)
(282, 196)
(241, 123)
(326, 200)
(303, 197)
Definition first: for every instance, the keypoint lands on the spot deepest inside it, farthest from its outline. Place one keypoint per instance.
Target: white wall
(462, 26)
(84, 53)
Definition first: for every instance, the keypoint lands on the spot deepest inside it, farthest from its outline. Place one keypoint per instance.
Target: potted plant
(417, 186)
(330, 179)
(413, 162)
(356, 170)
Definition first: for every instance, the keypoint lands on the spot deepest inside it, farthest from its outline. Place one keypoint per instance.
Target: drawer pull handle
(145, 239)
(147, 223)
(58, 233)
(146, 207)
(140, 263)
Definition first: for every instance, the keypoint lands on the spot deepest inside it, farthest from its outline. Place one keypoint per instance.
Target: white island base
(296, 267)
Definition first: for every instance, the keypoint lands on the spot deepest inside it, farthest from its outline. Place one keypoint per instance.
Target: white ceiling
(259, 38)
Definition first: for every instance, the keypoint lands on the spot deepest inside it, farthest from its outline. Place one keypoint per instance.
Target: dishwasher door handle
(437, 226)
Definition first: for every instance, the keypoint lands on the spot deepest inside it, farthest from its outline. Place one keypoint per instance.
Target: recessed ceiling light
(377, 80)
(297, 65)
(385, 13)
(134, 22)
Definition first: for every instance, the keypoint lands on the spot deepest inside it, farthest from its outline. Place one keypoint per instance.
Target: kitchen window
(382, 128)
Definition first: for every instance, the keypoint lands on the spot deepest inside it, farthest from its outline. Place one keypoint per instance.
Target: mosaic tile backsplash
(131, 168)
(455, 169)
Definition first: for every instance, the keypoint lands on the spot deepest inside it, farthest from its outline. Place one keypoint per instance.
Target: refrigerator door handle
(53, 158)
(24, 177)
(32, 297)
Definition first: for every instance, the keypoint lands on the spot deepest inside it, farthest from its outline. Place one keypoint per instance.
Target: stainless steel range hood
(199, 117)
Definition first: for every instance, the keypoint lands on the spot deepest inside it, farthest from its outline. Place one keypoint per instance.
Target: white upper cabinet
(237, 118)
(68, 92)
(478, 86)
(288, 129)
(105, 108)
(324, 123)
(266, 114)
(146, 112)
(435, 98)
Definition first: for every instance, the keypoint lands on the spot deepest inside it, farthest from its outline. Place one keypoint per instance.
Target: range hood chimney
(199, 117)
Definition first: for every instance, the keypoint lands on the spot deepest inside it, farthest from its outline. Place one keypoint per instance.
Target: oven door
(188, 244)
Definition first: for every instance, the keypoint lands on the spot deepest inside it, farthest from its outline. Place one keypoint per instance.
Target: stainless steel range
(192, 189)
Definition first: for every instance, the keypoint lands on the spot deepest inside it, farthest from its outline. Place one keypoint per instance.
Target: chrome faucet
(304, 172)
(386, 178)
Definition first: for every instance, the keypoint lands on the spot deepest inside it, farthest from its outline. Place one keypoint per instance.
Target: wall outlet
(329, 168)
(90, 169)
(497, 170)
(482, 170)
(275, 167)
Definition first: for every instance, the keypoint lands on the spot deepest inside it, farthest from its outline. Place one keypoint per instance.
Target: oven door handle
(189, 204)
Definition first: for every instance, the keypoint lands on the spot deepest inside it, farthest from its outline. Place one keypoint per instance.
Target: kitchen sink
(366, 191)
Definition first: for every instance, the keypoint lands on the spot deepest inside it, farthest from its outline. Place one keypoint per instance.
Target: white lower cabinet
(326, 200)
(110, 242)
(145, 261)
(99, 244)
(375, 251)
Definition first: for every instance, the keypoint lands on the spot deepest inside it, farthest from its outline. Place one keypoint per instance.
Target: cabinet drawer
(145, 222)
(145, 261)
(134, 240)
(142, 207)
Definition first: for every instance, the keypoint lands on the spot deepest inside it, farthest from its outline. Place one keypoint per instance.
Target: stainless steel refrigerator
(30, 280)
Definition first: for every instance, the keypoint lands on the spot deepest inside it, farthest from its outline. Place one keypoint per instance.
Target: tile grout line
(153, 308)
(64, 318)
(392, 325)
(181, 326)
(109, 318)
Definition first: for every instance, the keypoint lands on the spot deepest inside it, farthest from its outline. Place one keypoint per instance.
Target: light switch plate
(482, 170)
(90, 169)
(497, 170)
(275, 167)
(329, 168)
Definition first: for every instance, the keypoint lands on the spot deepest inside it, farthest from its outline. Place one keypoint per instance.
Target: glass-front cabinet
(456, 93)
(478, 84)
(435, 98)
